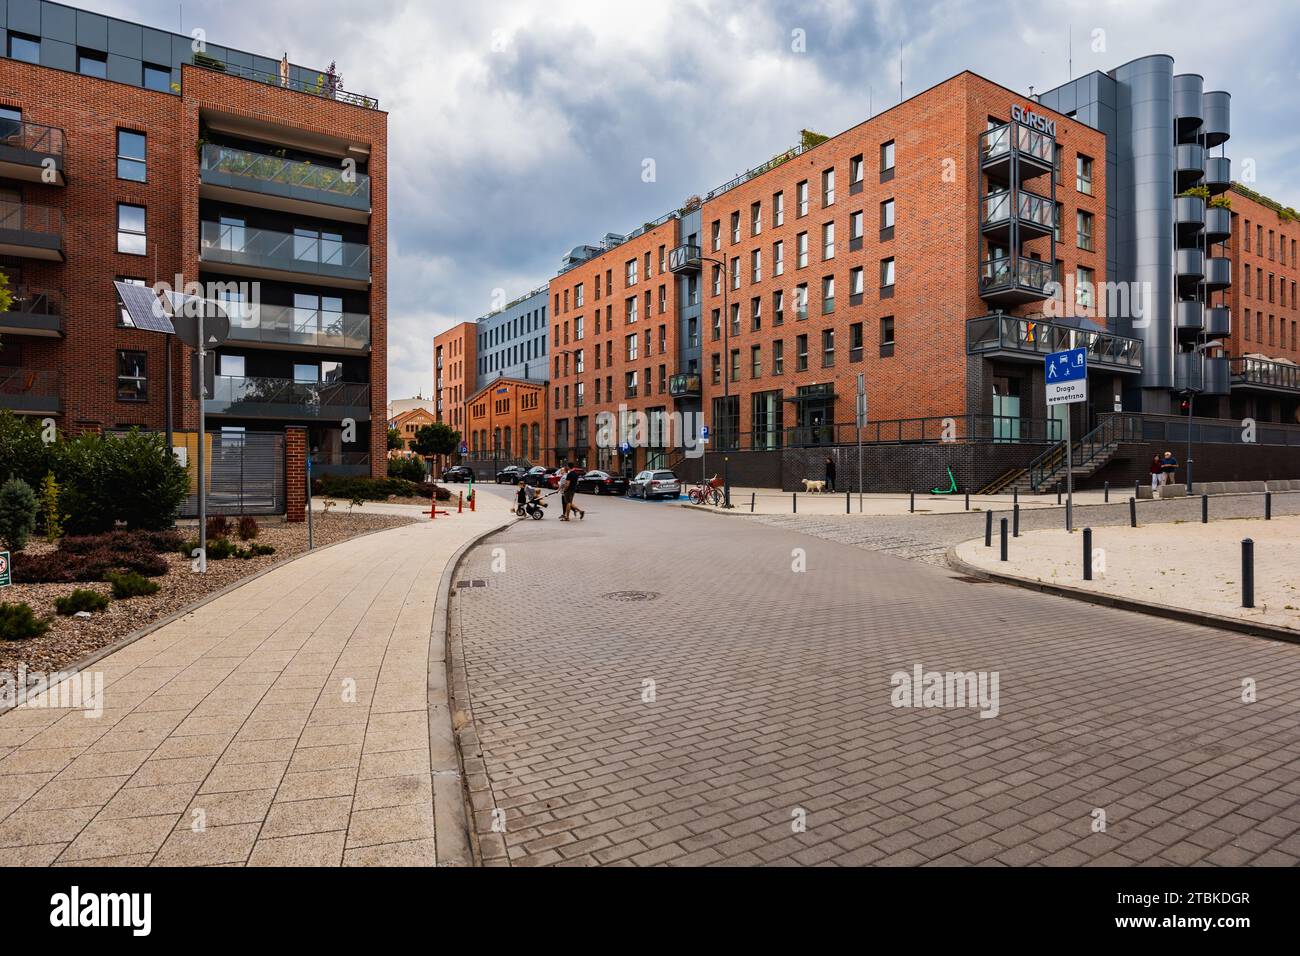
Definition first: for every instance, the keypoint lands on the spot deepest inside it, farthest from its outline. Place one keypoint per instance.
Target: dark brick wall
(1211, 462)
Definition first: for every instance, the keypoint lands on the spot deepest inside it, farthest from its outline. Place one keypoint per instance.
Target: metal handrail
(34, 137)
(25, 381)
(263, 168)
(998, 271)
(1112, 428)
(1037, 336)
(261, 390)
(37, 302)
(323, 85)
(290, 325)
(1000, 141)
(29, 217)
(284, 246)
(1264, 372)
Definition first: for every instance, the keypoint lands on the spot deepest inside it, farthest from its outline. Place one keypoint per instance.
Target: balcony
(283, 398)
(1218, 321)
(31, 152)
(1014, 279)
(1189, 316)
(272, 182)
(287, 327)
(31, 392)
(1032, 213)
(1218, 174)
(267, 254)
(684, 385)
(1189, 268)
(1017, 151)
(1189, 165)
(1189, 216)
(343, 463)
(31, 232)
(1218, 224)
(1199, 373)
(1029, 339)
(34, 312)
(1254, 374)
(1218, 273)
(684, 259)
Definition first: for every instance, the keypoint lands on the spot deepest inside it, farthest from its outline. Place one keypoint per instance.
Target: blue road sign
(704, 432)
(463, 448)
(1065, 375)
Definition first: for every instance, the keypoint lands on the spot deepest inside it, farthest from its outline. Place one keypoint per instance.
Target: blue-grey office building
(512, 343)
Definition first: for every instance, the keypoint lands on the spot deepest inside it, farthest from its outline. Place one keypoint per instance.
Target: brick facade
(295, 473)
(454, 363)
(507, 419)
(1265, 278)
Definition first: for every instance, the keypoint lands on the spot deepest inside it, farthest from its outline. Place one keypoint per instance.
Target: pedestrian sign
(1065, 375)
(6, 578)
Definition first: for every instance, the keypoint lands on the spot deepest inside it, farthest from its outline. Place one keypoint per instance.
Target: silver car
(659, 483)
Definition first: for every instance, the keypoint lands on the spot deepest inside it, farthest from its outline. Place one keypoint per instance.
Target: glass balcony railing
(260, 397)
(288, 178)
(1030, 208)
(288, 325)
(31, 390)
(1036, 337)
(1001, 141)
(1015, 273)
(306, 252)
(1263, 373)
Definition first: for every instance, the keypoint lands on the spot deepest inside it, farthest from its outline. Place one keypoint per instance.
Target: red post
(460, 502)
(433, 507)
(473, 500)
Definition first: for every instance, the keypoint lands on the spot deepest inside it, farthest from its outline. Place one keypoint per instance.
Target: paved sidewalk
(1192, 567)
(284, 723)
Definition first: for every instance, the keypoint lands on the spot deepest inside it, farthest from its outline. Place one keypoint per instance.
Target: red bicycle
(707, 493)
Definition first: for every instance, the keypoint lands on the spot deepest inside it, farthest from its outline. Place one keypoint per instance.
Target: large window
(1084, 230)
(130, 156)
(801, 353)
(158, 78)
(1083, 174)
(887, 161)
(132, 381)
(801, 199)
(92, 63)
(131, 230)
(25, 48)
(828, 348)
(887, 274)
(828, 241)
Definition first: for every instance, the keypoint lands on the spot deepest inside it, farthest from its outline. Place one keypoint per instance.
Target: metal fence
(245, 474)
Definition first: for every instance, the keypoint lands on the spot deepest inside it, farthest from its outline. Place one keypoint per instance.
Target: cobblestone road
(768, 734)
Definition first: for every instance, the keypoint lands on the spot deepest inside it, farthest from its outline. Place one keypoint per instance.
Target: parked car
(536, 476)
(659, 483)
(458, 473)
(553, 479)
(602, 483)
(510, 475)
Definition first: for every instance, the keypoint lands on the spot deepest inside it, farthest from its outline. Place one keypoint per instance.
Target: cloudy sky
(519, 129)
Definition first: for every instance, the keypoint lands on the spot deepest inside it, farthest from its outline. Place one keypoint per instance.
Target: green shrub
(258, 550)
(17, 622)
(411, 469)
(218, 526)
(131, 478)
(221, 548)
(50, 509)
(86, 497)
(69, 567)
(372, 489)
(23, 452)
(248, 528)
(82, 599)
(18, 506)
(128, 584)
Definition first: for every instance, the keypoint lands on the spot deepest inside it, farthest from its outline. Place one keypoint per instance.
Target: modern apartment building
(512, 342)
(455, 354)
(128, 155)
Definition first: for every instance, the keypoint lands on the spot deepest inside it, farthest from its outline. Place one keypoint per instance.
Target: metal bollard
(1087, 554)
(794, 502)
(968, 500)
(752, 494)
(1247, 573)
(1058, 492)
(1136, 485)
(1003, 534)
(1132, 512)
(1015, 521)
(988, 529)
(848, 507)
(1015, 495)
(1268, 506)
(911, 507)
(460, 502)
(1106, 487)
(1205, 509)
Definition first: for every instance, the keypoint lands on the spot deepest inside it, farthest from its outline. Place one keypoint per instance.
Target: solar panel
(144, 307)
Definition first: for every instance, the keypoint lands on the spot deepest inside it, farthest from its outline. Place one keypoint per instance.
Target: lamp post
(1191, 391)
(726, 353)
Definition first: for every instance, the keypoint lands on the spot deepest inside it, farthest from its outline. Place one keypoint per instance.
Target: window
(887, 336)
(631, 347)
(130, 156)
(801, 199)
(801, 300)
(857, 168)
(857, 285)
(801, 250)
(828, 187)
(778, 258)
(693, 333)
(1083, 287)
(778, 209)
(828, 348)
(715, 369)
(1246, 327)
(855, 342)
(735, 365)
(629, 311)
(735, 272)
(578, 367)
(735, 227)
(756, 266)
(717, 280)
(578, 329)
(755, 218)
(715, 235)
(735, 318)
(132, 382)
(629, 382)
(1083, 174)
(855, 231)
(629, 272)
(887, 276)
(828, 241)
(91, 63)
(887, 219)
(801, 353)
(755, 361)
(1083, 223)
(715, 330)
(778, 357)
(25, 48)
(886, 161)
(755, 313)
(646, 271)
(778, 307)
(158, 78)
(578, 296)
(828, 295)
(130, 230)
(1247, 236)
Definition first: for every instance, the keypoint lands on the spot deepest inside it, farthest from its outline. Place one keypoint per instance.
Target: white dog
(810, 486)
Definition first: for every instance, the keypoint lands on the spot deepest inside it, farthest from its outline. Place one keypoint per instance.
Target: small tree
(436, 439)
(17, 513)
(394, 439)
(50, 508)
(6, 293)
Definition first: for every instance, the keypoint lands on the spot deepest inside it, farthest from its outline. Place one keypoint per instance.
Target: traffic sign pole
(1065, 381)
(203, 424)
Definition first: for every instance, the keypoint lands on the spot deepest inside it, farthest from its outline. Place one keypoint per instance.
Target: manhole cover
(630, 596)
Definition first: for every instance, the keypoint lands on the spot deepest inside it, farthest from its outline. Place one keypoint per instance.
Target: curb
(453, 835)
(1203, 618)
(128, 639)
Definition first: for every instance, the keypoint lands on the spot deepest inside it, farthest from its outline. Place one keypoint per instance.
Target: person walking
(1157, 473)
(1169, 465)
(570, 488)
(830, 473)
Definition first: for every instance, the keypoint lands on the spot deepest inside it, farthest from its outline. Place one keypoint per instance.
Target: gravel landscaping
(70, 639)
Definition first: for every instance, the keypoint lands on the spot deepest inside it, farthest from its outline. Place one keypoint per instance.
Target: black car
(458, 473)
(510, 475)
(602, 483)
(537, 475)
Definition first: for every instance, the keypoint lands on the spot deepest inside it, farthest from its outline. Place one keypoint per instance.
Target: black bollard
(968, 499)
(1015, 494)
(1132, 512)
(1003, 533)
(1015, 521)
(911, 507)
(988, 529)
(1136, 485)
(794, 502)
(1268, 506)
(1205, 509)
(1058, 492)
(848, 509)
(1247, 573)
(752, 495)
(1087, 554)
(1106, 487)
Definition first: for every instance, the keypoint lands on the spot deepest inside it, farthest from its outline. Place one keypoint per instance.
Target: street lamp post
(726, 355)
(1201, 348)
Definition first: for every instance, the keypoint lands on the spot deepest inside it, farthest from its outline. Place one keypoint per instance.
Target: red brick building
(508, 422)
(454, 360)
(121, 159)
